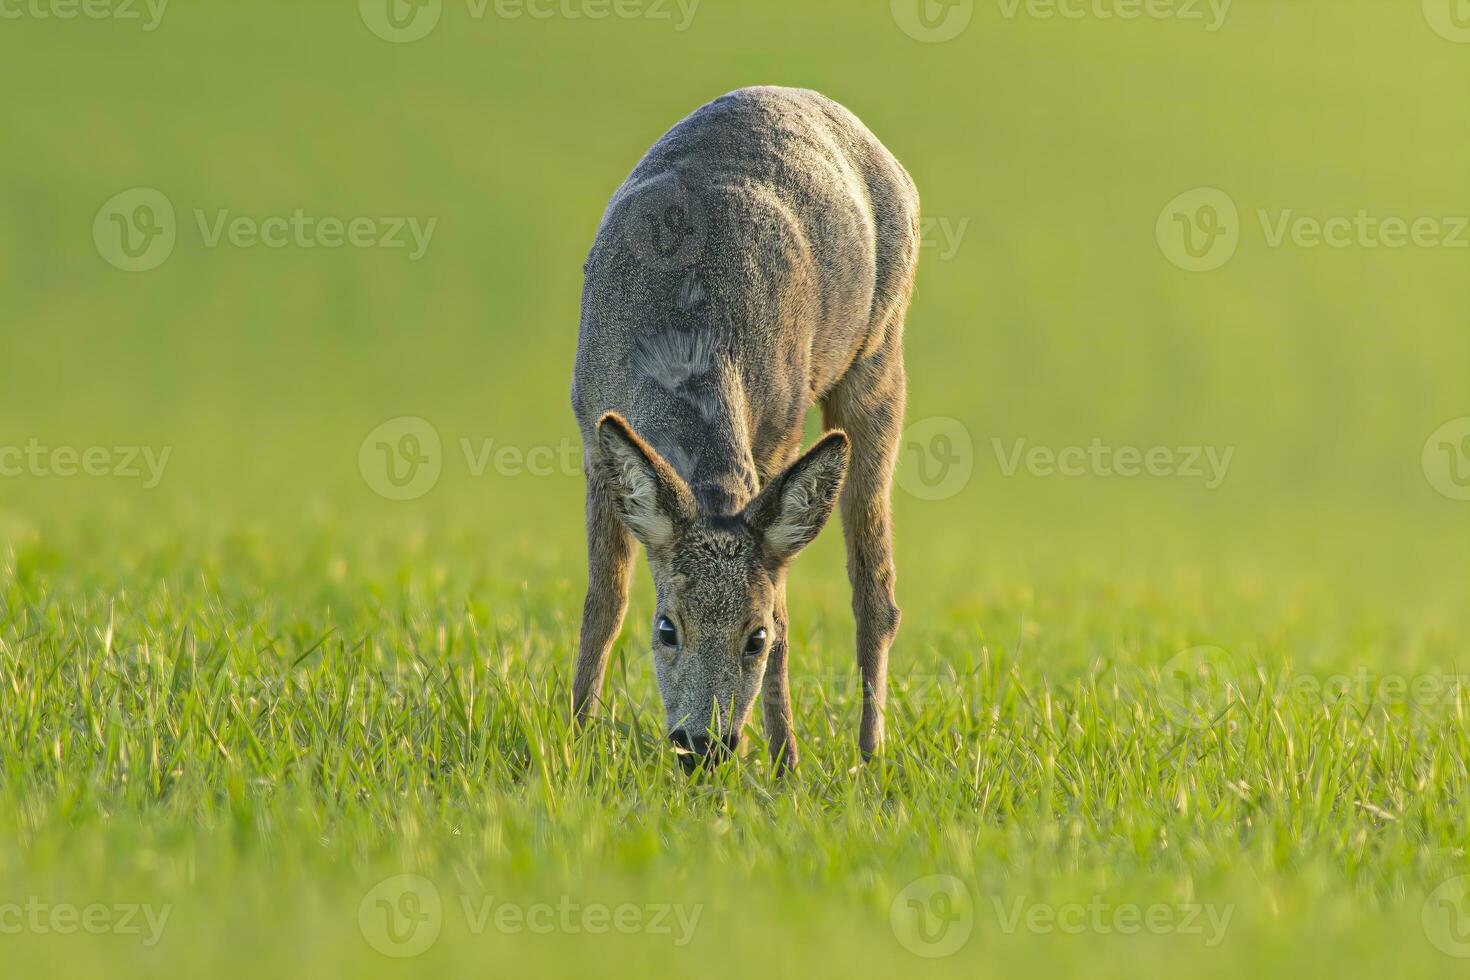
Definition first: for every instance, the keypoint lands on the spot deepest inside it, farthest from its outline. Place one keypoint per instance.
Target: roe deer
(757, 261)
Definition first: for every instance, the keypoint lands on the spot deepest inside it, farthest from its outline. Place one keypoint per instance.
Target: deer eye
(756, 643)
(666, 633)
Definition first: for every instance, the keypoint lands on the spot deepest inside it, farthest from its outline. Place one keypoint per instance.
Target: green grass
(256, 738)
(255, 692)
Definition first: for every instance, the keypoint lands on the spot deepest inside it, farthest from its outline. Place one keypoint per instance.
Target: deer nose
(700, 747)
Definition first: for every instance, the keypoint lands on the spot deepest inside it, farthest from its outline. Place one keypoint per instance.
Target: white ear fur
(794, 507)
(647, 492)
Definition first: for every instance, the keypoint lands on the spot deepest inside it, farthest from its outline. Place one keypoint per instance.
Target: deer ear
(792, 509)
(651, 499)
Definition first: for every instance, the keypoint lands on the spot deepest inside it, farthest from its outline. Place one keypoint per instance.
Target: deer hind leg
(609, 562)
(868, 404)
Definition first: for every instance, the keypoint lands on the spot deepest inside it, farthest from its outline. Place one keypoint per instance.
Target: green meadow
(291, 552)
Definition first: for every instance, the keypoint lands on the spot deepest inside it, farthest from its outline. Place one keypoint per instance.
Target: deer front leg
(609, 561)
(868, 405)
(776, 693)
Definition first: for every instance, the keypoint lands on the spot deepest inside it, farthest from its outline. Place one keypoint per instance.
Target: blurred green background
(1044, 150)
(1049, 308)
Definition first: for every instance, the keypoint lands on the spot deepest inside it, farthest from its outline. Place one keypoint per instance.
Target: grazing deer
(757, 261)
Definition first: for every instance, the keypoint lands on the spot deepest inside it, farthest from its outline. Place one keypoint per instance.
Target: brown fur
(757, 262)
